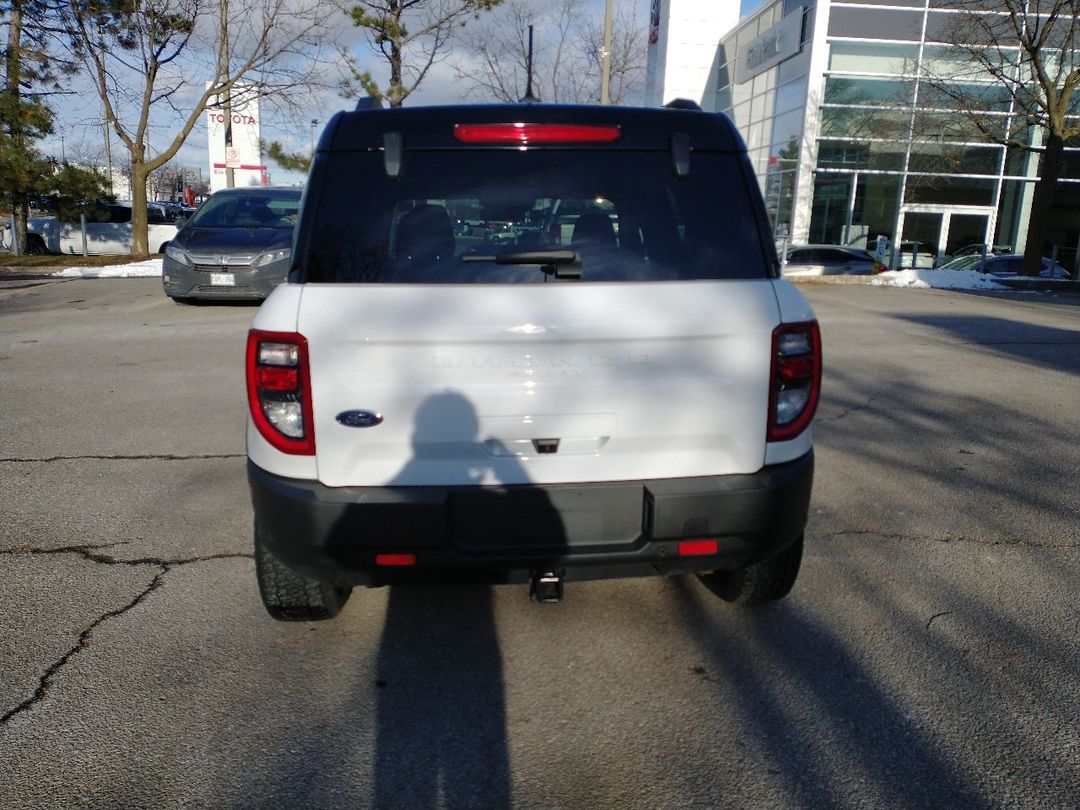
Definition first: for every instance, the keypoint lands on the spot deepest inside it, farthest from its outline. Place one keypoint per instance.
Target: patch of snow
(144, 269)
(938, 279)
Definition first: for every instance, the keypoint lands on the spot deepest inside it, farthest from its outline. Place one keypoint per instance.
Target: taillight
(522, 134)
(279, 390)
(796, 379)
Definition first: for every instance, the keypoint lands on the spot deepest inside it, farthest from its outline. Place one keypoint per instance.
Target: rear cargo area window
(498, 216)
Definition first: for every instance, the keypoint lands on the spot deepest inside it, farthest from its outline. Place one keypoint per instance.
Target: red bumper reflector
(524, 134)
(395, 559)
(698, 548)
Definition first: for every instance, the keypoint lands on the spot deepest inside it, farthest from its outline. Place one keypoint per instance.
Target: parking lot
(927, 657)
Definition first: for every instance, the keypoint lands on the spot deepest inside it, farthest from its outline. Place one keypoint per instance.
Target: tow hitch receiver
(546, 586)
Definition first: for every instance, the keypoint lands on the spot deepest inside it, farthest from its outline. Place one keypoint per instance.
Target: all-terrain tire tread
(766, 581)
(290, 597)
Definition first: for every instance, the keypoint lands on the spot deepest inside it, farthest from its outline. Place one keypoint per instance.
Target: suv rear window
(451, 213)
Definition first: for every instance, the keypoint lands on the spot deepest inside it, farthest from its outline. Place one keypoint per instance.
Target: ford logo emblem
(359, 419)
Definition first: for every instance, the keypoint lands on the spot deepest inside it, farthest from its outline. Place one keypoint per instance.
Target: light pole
(223, 75)
(605, 58)
(314, 123)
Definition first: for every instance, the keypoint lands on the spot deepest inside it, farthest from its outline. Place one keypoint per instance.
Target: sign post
(238, 117)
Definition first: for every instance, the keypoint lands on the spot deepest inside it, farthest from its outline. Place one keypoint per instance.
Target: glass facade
(882, 148)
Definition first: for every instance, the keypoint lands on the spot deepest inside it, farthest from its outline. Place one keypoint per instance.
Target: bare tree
(410, 36)
(567, 58)
(1028, 50)
(179, 57)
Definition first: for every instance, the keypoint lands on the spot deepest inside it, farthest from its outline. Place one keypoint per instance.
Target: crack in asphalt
(938, 616)
(852, 409)
(93, 553)
(121, 457)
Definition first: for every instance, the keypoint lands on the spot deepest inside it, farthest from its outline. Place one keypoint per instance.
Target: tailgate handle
(546, 446)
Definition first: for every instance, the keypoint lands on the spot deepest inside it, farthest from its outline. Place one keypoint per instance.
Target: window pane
(882, 92)
(954, 159)
(862, 123)
(956, 127)
(872, 57)
(945, 190)
(876, 24)
(786, 130)
(991, 97)
(445, 221)
(860, 155)
(792, 96)
(949, 63)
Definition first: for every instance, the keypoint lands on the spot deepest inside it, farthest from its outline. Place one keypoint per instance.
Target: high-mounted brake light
(795, 379)
(279, 390)
(525, 134)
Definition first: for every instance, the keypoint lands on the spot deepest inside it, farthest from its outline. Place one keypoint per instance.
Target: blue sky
(79, 115)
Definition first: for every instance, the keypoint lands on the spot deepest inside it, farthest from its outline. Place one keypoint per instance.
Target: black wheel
(35, 245)
(179, 299)
(291, 597)
(765, 581)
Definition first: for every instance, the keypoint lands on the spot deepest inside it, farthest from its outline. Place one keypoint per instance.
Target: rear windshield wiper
(557, 263)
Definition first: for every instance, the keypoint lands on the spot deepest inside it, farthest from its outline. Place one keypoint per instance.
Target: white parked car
(108, 232)
(633, 398)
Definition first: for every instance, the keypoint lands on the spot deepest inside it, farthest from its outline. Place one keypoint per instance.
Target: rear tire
(35, 245)
(766, 581)
(289, 596)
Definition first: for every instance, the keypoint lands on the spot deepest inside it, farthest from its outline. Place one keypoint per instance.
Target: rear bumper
(503, 534)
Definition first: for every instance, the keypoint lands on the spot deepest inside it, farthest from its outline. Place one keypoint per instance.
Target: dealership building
(847, 137)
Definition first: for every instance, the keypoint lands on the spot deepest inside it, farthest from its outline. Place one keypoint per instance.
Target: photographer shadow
(441, 736)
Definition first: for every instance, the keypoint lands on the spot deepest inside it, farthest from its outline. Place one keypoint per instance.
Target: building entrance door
(933, 235)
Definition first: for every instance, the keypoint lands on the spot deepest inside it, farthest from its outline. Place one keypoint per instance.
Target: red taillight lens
(524, 134)
(279, 390)
(796, 379)
(395, 560)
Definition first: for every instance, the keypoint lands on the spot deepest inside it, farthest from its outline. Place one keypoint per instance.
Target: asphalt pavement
(927, 657)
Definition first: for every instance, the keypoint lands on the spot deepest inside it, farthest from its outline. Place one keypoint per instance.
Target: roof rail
(683, 104)
(369, 103)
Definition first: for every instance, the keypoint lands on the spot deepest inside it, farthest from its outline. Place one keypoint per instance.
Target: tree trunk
(1041, 203)
(395, 92)
(13, 65)
(139, 240)
(20, 211)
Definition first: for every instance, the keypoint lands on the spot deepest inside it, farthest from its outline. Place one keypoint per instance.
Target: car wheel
(289, 596)
(765, 581)
(161, 247)
(35, 245)
(179, 299)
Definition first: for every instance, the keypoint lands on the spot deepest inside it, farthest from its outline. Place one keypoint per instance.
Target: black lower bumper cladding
(501, 534)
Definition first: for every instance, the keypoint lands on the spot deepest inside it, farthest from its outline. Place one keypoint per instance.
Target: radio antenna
(529, 97)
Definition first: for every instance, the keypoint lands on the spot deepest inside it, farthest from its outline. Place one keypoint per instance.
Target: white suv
(629, 397)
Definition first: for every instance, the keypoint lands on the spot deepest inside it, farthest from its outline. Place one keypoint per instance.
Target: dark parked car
(974, 250)
(1005, 266)
(827, 260)
(237, 245)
